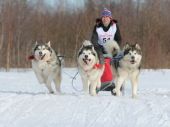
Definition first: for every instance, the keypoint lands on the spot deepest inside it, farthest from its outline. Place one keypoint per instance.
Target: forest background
(66, 23)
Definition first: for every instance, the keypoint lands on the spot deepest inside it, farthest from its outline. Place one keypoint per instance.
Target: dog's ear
(36, 43)
(49, 44)
(92, 47)
(126, 46)
(137, 46)
(34, 47)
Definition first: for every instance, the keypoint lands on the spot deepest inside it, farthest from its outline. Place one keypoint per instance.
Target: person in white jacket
(106, 28)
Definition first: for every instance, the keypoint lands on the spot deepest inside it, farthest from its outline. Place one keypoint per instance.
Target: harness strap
(118, 57)
(97, 66)
(31, 57)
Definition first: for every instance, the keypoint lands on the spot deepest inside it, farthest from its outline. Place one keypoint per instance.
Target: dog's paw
(86, 93)
(58, 93)
(113, 92)
(118, 93)
(93, 93)
(51, 92)
(41, 81)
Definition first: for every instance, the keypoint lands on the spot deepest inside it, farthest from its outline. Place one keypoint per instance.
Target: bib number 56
(105, 39)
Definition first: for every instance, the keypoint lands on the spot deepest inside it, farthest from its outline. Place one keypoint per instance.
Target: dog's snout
(40, 53)
(86, 56)
(132, 57)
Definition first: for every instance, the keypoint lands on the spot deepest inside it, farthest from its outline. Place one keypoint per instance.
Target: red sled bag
(107, 74)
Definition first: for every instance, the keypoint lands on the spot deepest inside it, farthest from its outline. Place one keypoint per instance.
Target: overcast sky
(74, 3)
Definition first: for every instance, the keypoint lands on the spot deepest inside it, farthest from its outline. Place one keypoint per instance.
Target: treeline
(22, 23)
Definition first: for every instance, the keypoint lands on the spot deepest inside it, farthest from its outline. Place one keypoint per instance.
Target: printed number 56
(105, 39)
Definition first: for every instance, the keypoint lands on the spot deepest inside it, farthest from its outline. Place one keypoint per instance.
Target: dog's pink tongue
(85, 61)
(42, 57)
(132, 61)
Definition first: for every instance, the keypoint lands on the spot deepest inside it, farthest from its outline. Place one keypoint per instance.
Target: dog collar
(97, 66)
(31, 57)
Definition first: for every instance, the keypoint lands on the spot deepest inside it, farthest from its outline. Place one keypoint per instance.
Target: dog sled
(108, 77)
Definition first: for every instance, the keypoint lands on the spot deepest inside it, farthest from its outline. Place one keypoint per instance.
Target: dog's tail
(87, 43)
(112, 47)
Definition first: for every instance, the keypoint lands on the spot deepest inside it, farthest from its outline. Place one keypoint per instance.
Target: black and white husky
(128, 66)
(89, 68)
(47, 66)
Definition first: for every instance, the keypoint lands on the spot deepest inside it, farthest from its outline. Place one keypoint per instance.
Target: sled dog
(128, 67)
(47, 66)
(89, 68)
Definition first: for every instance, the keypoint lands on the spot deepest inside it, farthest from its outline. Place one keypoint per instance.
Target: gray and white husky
(128, 67)
(47, 66)
(89, 68)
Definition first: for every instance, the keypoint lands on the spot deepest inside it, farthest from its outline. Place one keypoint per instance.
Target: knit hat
(106, 12)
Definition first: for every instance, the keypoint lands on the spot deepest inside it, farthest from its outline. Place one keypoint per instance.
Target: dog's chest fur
(127, 66)
(42, 67)
(92, 74)
(127, 70)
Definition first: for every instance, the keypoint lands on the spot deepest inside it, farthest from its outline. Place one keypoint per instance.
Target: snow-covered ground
(25, 103)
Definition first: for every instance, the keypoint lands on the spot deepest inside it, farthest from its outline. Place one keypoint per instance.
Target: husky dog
(47, 66)
(89, 68)
(128, 66)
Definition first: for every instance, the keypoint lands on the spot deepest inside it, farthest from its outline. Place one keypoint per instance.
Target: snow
(26, 103)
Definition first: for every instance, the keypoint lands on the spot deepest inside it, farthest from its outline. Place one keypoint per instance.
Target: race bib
(104, 36)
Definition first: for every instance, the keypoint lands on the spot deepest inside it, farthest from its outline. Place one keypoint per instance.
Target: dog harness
(107, 74)
(97, 66)
(31, 57)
